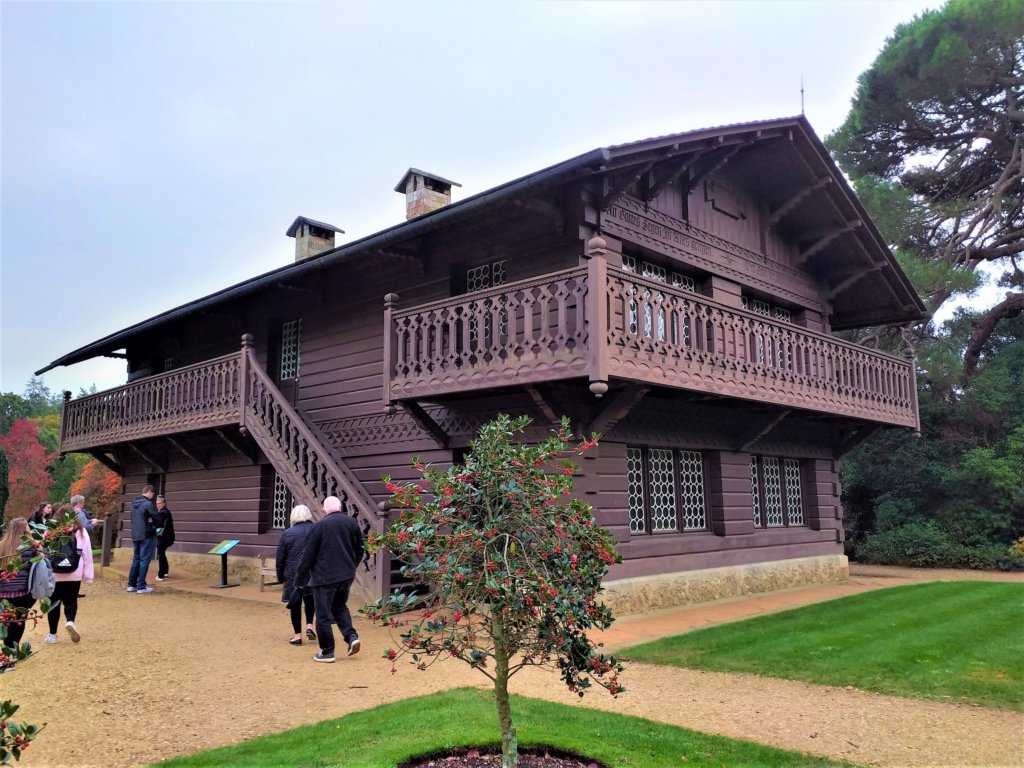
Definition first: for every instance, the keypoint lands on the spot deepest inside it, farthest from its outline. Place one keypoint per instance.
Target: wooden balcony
(196, 397)
(604, 323)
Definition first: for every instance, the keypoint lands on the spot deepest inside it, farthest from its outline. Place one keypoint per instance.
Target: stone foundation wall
(669, 590)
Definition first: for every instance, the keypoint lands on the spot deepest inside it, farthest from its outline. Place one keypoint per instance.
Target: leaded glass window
(794, 501)
(280, 508)
(291, 334)
(665, 490)
(755, 491)
(691, 485)
(776, 495)
(635, 490)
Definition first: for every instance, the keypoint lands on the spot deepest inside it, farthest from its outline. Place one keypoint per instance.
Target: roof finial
(801, 95)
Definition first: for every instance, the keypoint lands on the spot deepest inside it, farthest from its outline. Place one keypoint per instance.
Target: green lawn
(959, 641)
(387, 735)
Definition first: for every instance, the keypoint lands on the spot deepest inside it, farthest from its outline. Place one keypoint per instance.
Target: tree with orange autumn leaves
(100, 487)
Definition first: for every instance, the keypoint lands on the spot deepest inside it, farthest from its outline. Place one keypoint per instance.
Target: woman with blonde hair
(289, 555)
(16, 590)
(65, 593)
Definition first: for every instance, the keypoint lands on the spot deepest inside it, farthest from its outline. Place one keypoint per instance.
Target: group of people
(152, 529)
(67, 582)
(316, 563)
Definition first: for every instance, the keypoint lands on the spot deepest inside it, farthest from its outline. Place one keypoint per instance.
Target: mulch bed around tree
(536, 757)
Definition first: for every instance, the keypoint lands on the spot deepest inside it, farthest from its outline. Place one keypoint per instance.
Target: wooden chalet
(677, 294)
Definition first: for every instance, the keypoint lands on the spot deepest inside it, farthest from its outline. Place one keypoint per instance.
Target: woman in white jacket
(65, 593)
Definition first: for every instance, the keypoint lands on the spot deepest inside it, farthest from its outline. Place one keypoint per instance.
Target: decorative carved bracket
(671, 170)
(790, 205)
(852, 279)
(759, 429)
(716, 166)
(618, 408)
(855, 438)
(426, 422)
(825, 239)
(236, 446)
(544, 404)
(147, 458)
(107, 462)
(188, 452)
(619, 185)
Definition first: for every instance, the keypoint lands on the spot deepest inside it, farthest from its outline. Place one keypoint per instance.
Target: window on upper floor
(291, 341)
(655, 324)
(776, 492)
(665, 490)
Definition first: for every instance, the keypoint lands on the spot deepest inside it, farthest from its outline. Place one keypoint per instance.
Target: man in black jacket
(143, 533)
(334, 549)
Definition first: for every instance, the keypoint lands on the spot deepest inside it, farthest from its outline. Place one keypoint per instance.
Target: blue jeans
(141, 555)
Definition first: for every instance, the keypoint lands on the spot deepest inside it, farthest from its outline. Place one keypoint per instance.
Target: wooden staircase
(302, 459)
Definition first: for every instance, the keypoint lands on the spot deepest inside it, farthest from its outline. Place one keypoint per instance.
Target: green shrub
(923, 544)
(916, 544)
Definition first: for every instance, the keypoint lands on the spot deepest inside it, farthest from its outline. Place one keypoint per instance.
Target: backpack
(65, 559)
(40, 579)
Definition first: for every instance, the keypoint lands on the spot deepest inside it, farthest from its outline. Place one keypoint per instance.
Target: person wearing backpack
(71, 564)
(16, 590)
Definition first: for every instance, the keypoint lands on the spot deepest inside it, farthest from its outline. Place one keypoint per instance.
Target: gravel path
(176, 672)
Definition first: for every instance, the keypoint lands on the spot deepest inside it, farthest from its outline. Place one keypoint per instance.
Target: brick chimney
(311, 237)
(424, 192)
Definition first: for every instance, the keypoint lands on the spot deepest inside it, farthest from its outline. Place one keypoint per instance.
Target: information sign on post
(222, 549)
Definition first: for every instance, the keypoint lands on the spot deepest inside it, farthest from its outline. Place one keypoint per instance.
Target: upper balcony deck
(601, 322)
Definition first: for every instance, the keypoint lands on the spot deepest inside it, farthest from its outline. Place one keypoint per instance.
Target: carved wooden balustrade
(195, 397)
(543, 329)
(530, 331)
(302, 459)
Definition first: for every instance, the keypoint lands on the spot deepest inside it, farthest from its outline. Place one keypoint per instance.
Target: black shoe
(310, 634)
(327, 658)
(296, 641)
(353, 647)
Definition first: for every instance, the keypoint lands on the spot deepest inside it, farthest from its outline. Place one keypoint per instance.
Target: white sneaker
(51, 639)
(160, 578)
(130, 589)
(73, 631)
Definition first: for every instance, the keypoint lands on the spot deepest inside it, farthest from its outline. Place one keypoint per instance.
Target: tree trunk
(1012, 306)
(509, 740)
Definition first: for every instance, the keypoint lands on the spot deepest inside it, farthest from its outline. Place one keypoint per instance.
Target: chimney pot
(311, 237)
(424, 192)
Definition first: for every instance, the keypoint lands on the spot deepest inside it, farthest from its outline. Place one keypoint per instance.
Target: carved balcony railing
(196, 397)
(525, 332)
(639, 329)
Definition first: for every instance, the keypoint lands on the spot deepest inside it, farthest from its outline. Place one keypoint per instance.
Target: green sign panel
(223, 547)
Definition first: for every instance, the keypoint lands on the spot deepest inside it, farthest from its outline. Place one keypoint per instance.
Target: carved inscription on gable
(626, 218)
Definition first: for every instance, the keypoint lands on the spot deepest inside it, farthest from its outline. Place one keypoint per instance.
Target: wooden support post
(243, 377)
(390, 305)
(597, 313)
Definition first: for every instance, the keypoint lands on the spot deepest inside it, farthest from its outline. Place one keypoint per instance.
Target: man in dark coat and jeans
(334, 549)
(144, 519)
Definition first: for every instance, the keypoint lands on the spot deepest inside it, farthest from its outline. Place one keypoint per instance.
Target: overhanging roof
(783, 160)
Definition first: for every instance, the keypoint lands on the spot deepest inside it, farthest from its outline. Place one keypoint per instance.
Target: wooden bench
(268, 573)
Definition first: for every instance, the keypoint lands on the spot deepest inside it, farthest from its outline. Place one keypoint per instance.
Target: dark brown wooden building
(677, 294)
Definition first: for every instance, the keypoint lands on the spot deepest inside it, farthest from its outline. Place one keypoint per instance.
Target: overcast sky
(153, 153)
